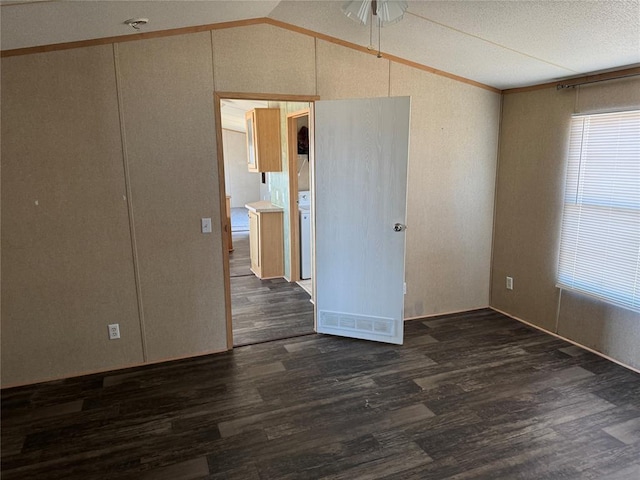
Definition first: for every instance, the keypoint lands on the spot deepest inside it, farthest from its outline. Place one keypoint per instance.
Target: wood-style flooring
(264, 310)
(469, 396)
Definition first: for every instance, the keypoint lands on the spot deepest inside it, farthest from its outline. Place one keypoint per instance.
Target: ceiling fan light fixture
(387, 11)
(359, 11)
(391, 12)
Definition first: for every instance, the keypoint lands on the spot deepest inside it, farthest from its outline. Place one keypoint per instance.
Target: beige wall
(531, 175)
(166, 88)
(451, 179)
(264, 58)
(67, 269)
(90, 253)
(452, 169)
(346, 73)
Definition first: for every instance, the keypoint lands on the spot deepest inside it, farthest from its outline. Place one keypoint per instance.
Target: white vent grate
(357, 323)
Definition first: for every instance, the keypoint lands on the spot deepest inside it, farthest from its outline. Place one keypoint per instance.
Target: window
(600, 241)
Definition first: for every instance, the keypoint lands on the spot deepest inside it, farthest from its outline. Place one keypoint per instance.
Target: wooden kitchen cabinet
(266, 244)
(263, 140)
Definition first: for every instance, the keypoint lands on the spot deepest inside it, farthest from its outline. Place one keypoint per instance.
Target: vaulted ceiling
(504, 44)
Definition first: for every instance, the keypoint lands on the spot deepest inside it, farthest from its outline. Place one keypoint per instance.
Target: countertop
(263, 206)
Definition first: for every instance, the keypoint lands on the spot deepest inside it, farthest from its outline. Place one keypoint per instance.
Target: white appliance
(304, 206)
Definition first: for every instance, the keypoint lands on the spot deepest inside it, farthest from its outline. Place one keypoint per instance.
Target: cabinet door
(254, 241)
(263, 140)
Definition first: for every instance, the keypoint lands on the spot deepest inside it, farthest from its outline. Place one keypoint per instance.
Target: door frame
(294, 227)
(225, 227)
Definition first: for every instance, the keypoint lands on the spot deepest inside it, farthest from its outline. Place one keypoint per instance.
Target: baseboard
(443, 314)
(113, 370)
(595, 352)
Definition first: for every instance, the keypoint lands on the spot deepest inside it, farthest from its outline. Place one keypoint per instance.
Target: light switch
(206, 225)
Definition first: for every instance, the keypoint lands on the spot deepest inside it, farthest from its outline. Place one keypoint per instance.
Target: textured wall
(452, 158)
(60, 121)
(264, 58)
(531, 174)
(67, 269)
(529, 198)
(453, 148)
(346, 73)
(167, 96)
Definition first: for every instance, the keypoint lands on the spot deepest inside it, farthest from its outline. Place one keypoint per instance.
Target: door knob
(398, 227)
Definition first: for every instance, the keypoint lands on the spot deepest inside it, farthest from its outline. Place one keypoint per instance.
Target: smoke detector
(136, 23)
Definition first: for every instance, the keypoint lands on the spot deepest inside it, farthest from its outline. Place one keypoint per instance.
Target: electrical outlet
(114, 331)
(509, 283)
(206, 225)
(404, 288)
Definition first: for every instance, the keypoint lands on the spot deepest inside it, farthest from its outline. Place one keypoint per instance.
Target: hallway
(264, 310)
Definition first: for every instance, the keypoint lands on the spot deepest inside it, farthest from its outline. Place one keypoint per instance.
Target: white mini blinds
(600, 242)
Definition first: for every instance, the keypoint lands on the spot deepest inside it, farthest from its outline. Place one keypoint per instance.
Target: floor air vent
(357, 323)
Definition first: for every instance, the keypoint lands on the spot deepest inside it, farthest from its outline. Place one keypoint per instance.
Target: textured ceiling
(503, 44)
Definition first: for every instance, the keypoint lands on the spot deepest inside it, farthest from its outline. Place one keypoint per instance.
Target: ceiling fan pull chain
(379, 35)
(371, 47)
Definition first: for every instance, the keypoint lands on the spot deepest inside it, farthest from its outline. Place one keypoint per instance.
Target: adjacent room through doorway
(266, 302)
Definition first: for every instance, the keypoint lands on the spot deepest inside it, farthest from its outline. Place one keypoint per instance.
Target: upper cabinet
(263, 140)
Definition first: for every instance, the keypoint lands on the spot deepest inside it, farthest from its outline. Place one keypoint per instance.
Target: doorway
(263, 306)
(358, 292)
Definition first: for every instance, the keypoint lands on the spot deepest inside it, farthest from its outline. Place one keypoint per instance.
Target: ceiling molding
(266, 96)
(234, 24)
(393, 58)
(13, 3)
(626, 71)
(129, 38)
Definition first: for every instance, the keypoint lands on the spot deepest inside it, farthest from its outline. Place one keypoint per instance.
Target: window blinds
(600, 240)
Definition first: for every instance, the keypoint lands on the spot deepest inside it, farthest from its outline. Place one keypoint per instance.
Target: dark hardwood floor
(239, 259)
(264, 310)
(469, 396)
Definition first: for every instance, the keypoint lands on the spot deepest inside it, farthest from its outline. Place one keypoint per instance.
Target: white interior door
(361, 154)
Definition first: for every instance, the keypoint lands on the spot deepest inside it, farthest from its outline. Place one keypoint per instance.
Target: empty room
(320, 239)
